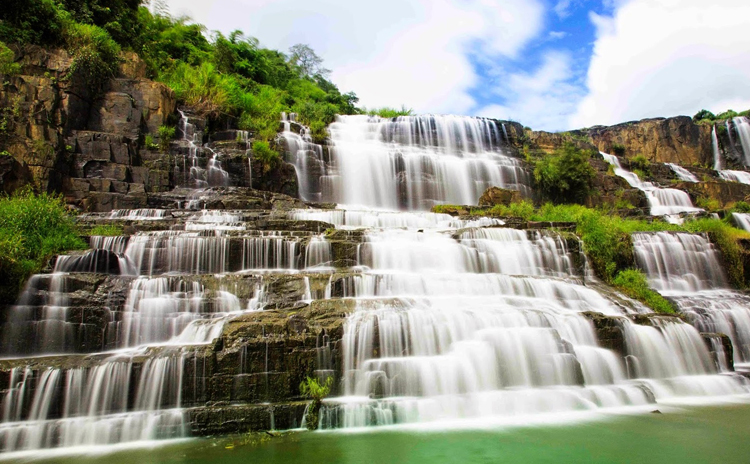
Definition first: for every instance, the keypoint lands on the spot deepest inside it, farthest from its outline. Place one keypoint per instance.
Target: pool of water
(679, 434)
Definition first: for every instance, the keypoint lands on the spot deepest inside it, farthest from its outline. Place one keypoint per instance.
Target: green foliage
(633, 283)
(148, 142)
(314, 390)
(388, 113)
(31, 21)
(740, 207)
(522, 209)
(33, 228)
(166, 134)
(7, 64)
(95, 53)
(707, 117)
(618, 149)
(708, 203)
(566, 175)
(106, 230)
(642, 164)
(263, 153)
(306, 61)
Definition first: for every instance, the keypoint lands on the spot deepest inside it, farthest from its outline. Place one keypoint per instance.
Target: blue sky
(549, 64)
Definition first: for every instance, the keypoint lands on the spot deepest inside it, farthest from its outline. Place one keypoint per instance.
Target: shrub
(33, 228)
(708, 203)
(522, 209)
(263, 153)
(566, 175)
(148, 142)
(166, 134)
(95, 54)
(633, 283)
(312, 389)
(740, 207)
(388, 113)
(7, 64)
(618, 149)
(641, 164)
(704, 115)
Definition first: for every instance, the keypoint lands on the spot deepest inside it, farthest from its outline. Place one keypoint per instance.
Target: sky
(549, 64)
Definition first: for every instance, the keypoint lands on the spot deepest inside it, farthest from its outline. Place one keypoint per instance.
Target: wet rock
(608, 330)
(498, 196)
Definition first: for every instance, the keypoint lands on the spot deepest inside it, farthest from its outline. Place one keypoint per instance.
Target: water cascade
(408, 162)
(742, 125)
(203, 319)
(718, 165)
(682, 173)
(687, 269)
(742, 220)
(742, 177)
(663, 201)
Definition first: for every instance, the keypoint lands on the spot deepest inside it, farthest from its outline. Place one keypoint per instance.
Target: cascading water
(687, 269)
(486, 324)
(663, 201)
(742, 125)
(408, 162)
(742, 177)
(742, 220)
(199, 174)
(718, 164)
(682, 173)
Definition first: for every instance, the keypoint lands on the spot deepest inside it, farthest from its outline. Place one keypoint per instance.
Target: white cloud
(389, 52)
(667, 57)
(557, 35)
(543, 99)
(562, 8)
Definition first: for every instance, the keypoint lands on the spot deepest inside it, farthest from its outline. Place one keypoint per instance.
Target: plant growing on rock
(312, 389)
(166, 134)
(566, 175)
(268, 157)
(7, 65)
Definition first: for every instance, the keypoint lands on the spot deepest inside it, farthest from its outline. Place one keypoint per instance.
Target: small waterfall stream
(663, 201)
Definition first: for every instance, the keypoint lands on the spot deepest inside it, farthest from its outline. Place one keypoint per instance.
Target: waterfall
(198, 175)
(408, 162)
(687, 269)
(742, 125)
(307, 158)
(717, 153)
(742, 177)
(682, 173)
(742, 220)
(663, 201)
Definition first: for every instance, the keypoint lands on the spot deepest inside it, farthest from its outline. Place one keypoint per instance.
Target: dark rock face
(609, 331)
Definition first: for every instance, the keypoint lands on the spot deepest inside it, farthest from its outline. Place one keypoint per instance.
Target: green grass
(33, 228)
(106, 230)
(633, 283)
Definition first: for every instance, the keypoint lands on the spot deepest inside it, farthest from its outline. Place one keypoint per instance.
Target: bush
(166, 134)
(704, 115)
(95, 55)
(641, 164)
(312, 389)
(263, 153)
(618, 149)
(521, 209)
(566, 175)
(7, 64)
(33, 228)
(633, 283)
(388, 113)
(740, 207)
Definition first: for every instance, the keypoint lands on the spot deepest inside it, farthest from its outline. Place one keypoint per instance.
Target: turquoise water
(715, 434)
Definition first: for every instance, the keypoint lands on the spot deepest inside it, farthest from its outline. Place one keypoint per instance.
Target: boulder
(499, 196)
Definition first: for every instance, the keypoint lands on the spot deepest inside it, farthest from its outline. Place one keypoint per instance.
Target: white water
(718, 165)
(663, 201)
(408, 162)
(742, 125)
(486, 323)
(687, 268)
(742, 220)
(682, 173)
(742, 177)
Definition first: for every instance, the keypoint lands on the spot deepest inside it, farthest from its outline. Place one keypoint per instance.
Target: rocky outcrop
(724, 193)
(498, 196)
(663, 140)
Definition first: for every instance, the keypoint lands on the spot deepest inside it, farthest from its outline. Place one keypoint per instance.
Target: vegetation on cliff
(33, 228)
(224, 77)
(565, 176)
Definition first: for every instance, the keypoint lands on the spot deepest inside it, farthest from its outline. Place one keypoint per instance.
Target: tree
(307, 61)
